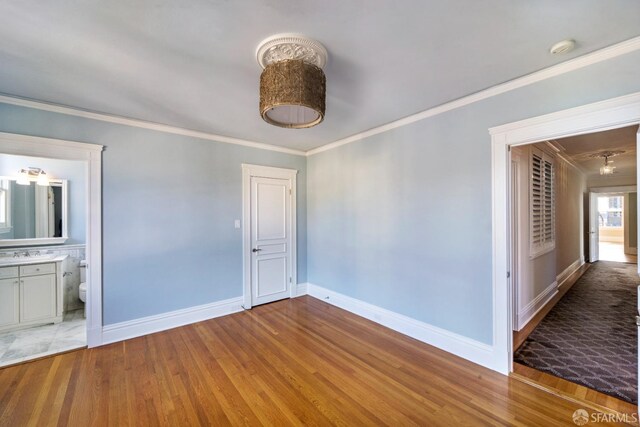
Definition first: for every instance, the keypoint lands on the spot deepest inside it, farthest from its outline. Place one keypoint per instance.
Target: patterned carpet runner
(590, 336)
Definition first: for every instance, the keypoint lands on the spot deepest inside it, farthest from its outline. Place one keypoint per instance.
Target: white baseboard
(538, 303)
(301, 289)
(161, 322)
(467, 348)
(561, 279)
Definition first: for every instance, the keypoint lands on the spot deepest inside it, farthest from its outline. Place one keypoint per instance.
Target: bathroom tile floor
(25, 344)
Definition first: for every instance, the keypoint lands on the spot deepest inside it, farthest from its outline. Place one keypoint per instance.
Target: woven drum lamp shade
(292, 94)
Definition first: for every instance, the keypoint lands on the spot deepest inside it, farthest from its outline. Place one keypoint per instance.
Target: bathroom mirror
(33, 214)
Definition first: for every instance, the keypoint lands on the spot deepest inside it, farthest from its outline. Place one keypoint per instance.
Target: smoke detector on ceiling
(565, 46)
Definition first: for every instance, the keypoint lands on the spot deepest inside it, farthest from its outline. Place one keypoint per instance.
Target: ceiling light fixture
(26, 175)
(292, 83)
(607, 168)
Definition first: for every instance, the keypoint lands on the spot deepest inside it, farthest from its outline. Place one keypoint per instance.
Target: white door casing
(514, 252)
(638, 266)
(599, 116)
(269, 234)
(594, 232)
(91, 154)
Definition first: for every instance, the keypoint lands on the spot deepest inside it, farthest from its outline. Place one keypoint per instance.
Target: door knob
(256, 250)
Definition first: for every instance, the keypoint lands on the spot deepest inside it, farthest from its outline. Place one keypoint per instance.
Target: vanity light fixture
(43, 179)
(292, 83)
(23, 177)
(26, 175)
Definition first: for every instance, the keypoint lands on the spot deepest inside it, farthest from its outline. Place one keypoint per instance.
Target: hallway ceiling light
(292, 83)
(25, 176)
(607, 168)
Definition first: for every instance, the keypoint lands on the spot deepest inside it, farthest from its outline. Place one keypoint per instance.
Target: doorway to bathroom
(50, 247)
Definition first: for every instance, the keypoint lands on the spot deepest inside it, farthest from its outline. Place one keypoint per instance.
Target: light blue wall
(169, 205)
(402, 219)
(75, 172)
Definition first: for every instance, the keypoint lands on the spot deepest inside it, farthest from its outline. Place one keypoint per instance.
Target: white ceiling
(191, 63)
(581, 148)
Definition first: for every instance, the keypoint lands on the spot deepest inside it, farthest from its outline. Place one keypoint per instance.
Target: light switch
(237, 223)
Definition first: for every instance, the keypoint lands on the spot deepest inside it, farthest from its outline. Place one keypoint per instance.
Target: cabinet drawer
(37, 269)
(8, 272)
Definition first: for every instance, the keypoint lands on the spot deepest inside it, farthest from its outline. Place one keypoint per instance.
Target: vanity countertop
(36, 259)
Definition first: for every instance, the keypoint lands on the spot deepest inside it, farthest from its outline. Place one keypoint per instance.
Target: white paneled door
(270, 239)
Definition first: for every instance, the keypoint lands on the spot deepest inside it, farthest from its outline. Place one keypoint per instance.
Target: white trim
(530, 310)
(173, 319)
(607, 53)
(25, 145)
(11, 243)
(459, 345)
(541, 301)
(77, 112)
(46, 248)
(248, 171)
(561, 279)
(72, 149)
(614, 190)
(610, 52)
(301, 289)
(559, 150)
(609, 114)
(621, 112)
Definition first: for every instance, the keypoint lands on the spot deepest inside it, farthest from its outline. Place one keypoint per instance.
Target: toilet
(82, 290)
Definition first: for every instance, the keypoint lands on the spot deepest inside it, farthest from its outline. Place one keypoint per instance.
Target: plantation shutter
(542, 203)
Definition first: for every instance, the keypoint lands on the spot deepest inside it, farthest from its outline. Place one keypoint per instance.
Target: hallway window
(610, 211)
(542, 203)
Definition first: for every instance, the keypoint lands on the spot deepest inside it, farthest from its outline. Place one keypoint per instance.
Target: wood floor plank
(293, 362)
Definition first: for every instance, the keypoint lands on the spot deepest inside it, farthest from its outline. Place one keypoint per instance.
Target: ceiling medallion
(292, 84)
(603, 154)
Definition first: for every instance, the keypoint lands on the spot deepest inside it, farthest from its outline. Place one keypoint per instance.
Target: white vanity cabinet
(9, 302)
(30, 294)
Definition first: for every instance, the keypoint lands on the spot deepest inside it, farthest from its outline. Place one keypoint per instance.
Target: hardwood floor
(292, 362)
(594, 399)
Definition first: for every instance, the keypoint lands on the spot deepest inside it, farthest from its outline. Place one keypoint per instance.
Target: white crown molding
(610, 52)
(559, 152)
(70, 111)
